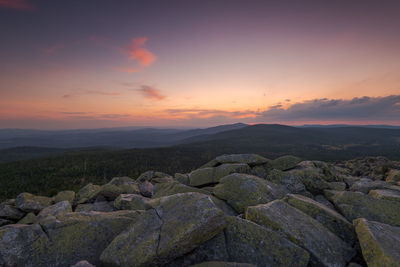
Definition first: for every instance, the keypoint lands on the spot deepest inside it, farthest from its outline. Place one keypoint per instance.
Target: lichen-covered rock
(223, 264)
(212, 175)
(252, 243)
(393, 176)
(54, 210)
(177, 224)
(327, 171)
(379, 243)
(65, 196)
(101, 206)
(84, 193)
(83, 264)
(326, 248)
(154, 177)
(111, 190)
(364, 185)
(146, 189)
(321, 199)
(31, 203)
(355, 205)
(131, 202)
(9, 212)
(174, 187)
(329, 218)
(314, 180)
(249, 159)
(243, 190)
(340, 186)
(285, 162)
(225, 207)
(28, 219)
(287, 179)
(387, 194)
(183, 178)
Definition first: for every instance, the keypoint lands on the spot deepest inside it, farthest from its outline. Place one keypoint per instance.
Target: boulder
(131, 202)
(146, 189)
(393, 176)
(111, 190)
(174, 187)
(364, 185)
(62, 241)
(326, 248)
(84, 193)
(387, 194)
(252, 243)
(355, 205)
(285, 162)
(223, 264)
(243, 190)
(340, 186)
(5, 222)
(54, 210)
(65, 196)
(321, 199)
(314, 180)
(261, 171)
(177, 225)
(249, 159)
(28, 219)
(9, 212)
(182, 178)
(212, 175)
(379, 243)
(225, 207)
(101, 206)
(287, 179)
(83, 264)
(154, 177)
(332, 220)
(31, 203)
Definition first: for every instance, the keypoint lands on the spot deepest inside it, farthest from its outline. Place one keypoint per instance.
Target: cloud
(206, 113)
(356, 109)
(90, 92)
(136, 51)
(151, 93)
(17, 4)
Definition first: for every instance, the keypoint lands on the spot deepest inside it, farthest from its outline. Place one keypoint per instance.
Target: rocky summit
(236, 210)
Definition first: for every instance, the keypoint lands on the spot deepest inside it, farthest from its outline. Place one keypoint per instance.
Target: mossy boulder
(243, 190)
(30, 218)
(313, 180)
(111, 190)
(31, 203)
(9, 212)
(326, 248)
(54, 210)
(212, 175)
(83, 264)
(61, 241)
(101, 206)
(364, 185)
(154, 177)
(340, 186)
(379, 243)
(183, 178)
(174, 187)
(225, 207)
(84, 193)
(131, 202)
(355, 205)
(252, 243)
(332, 220)
(387, 194)
(65, 196)
(393, 176)
(249, 159)
(177, 224)
(287, 179)
(285, 162)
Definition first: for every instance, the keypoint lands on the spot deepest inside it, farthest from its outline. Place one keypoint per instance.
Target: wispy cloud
(151, 93)
(136, 51)
(91, 92)
(17, 4)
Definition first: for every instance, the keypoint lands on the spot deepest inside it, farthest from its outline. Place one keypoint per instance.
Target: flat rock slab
(285, 162)
(355, 205)
(175, 226)
(252, 243)
(332, 220)
(31, 203)
(243, 190)
(212, 175)
(385, 194)
(326, 248)
(174, 187)
(379, 243)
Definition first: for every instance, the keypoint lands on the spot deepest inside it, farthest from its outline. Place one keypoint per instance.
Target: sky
(198, 63)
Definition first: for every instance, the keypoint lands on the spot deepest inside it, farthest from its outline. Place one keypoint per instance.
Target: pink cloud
(151, 93)
(136, 51)
(17, 4)
(129, 70)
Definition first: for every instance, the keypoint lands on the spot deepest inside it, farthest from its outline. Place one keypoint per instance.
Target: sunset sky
(198, 63)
